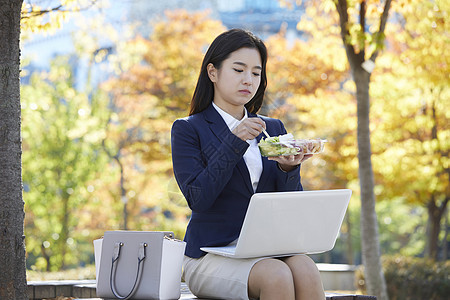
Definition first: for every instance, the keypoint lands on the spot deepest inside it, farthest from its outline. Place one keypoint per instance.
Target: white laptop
(286, 223)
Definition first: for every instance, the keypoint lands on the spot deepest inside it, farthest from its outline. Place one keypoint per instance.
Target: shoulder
(189, 121)
(191, 126)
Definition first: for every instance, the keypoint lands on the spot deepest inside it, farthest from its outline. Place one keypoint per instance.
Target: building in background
(263, 17)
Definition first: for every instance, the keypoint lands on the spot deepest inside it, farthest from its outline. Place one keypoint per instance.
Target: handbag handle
(115, 258)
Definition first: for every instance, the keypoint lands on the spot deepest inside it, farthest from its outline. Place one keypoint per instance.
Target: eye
(256, 74)
(238, 70)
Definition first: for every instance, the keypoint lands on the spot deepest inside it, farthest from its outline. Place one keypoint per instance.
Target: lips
(247, 92)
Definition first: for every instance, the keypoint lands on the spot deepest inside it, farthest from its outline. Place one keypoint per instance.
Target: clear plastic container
(276, 146)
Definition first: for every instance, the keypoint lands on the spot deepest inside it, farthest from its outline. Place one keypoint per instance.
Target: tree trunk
(350, 259)
(64, 236)
(13, 284)
(436, 211)
(46, 256)
(123, 191)
(374, 276)
(375, 282)
(444, 240)
(435, 215)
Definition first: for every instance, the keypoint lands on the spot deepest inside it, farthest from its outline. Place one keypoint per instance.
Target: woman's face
(237, 80)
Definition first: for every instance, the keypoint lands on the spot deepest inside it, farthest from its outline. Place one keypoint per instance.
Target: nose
(247, 80)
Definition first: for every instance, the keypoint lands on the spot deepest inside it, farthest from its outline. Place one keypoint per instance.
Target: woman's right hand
(249, 129)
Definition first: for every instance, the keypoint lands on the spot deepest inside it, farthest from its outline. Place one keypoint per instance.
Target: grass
(80, 273)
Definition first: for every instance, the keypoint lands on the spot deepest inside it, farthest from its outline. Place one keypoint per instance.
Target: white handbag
(138, 265)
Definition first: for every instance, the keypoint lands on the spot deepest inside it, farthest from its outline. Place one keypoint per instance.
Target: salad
(286, 145)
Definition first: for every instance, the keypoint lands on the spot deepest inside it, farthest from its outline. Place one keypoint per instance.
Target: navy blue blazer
(210, 170)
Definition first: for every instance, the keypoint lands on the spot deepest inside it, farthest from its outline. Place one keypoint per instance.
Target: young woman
(218, 167)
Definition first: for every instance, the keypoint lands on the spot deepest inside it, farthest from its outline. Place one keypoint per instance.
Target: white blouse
(252, 156)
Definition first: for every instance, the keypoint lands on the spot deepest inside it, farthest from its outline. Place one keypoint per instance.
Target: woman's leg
(307, 280)
(271, 279)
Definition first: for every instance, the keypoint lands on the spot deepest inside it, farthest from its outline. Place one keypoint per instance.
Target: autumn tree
(362, 25)
(412, 155)
(37, 18)
(426, 39)
(62, 131)
(358, 34)
(308, 91)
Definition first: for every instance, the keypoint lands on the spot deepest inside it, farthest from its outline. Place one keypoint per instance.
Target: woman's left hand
(289, 162)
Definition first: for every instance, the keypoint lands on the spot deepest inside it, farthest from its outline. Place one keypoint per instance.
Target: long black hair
(220, 49)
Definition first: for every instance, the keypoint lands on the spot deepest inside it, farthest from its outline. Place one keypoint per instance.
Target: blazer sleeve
(202, 181)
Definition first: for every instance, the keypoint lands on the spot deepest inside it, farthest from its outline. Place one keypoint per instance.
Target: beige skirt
(218, 277)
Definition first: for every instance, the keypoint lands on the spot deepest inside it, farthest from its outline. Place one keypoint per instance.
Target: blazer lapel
(217, 124)
(220, 129)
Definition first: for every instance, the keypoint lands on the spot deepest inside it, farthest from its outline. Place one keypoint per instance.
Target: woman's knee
(302, 263)
(279, 273)
(307, 279)
(269, 275)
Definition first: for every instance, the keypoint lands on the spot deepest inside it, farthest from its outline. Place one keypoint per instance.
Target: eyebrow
(245, 65)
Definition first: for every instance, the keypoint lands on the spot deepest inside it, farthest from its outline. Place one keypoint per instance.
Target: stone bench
(85, 289)
(67, 288)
